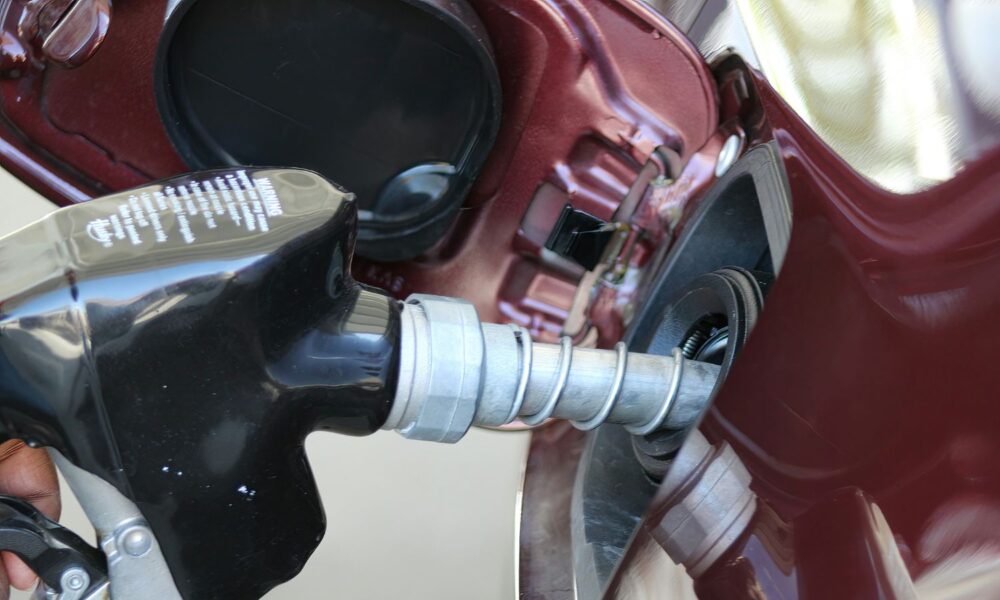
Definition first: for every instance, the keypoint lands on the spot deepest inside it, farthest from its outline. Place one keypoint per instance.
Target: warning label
(226, 200)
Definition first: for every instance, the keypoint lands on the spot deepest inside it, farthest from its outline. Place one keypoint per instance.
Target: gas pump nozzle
(173, 345)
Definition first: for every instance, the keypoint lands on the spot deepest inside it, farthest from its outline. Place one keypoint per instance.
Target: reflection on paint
(878, 80)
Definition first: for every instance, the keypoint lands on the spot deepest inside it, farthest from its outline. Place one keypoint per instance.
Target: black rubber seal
(399, 101)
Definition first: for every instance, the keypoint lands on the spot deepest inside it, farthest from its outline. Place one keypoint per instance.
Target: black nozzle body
(180, 341)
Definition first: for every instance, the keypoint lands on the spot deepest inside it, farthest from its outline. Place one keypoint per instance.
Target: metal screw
(70, 32)
(80, 29)
(136, 541)
(75, 580)
(728, 155)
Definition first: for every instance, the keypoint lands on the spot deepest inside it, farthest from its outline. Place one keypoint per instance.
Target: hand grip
(179, 341)
(60, 558)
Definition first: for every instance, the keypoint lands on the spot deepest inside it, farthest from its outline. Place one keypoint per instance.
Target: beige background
(405, 519)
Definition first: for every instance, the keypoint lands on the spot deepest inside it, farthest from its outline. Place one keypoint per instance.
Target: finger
(20, 574)
(4, 586)
(27, 473)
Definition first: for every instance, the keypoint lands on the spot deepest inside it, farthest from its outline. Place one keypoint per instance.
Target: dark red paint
(98, 121)
(871, 369)
(570, 119)
(580, 112)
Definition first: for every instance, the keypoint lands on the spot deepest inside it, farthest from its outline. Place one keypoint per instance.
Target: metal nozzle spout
(456, 372)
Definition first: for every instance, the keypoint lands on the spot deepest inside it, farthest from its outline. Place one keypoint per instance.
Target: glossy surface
(870, 368)
(581, 116)
(844, 533)
(75, 134)
(15, 51)
(77, 34)
(885, 84)
(67, 33)
(370, 93)
(185, 362)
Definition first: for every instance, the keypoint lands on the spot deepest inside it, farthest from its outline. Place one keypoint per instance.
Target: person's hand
(29, 474)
